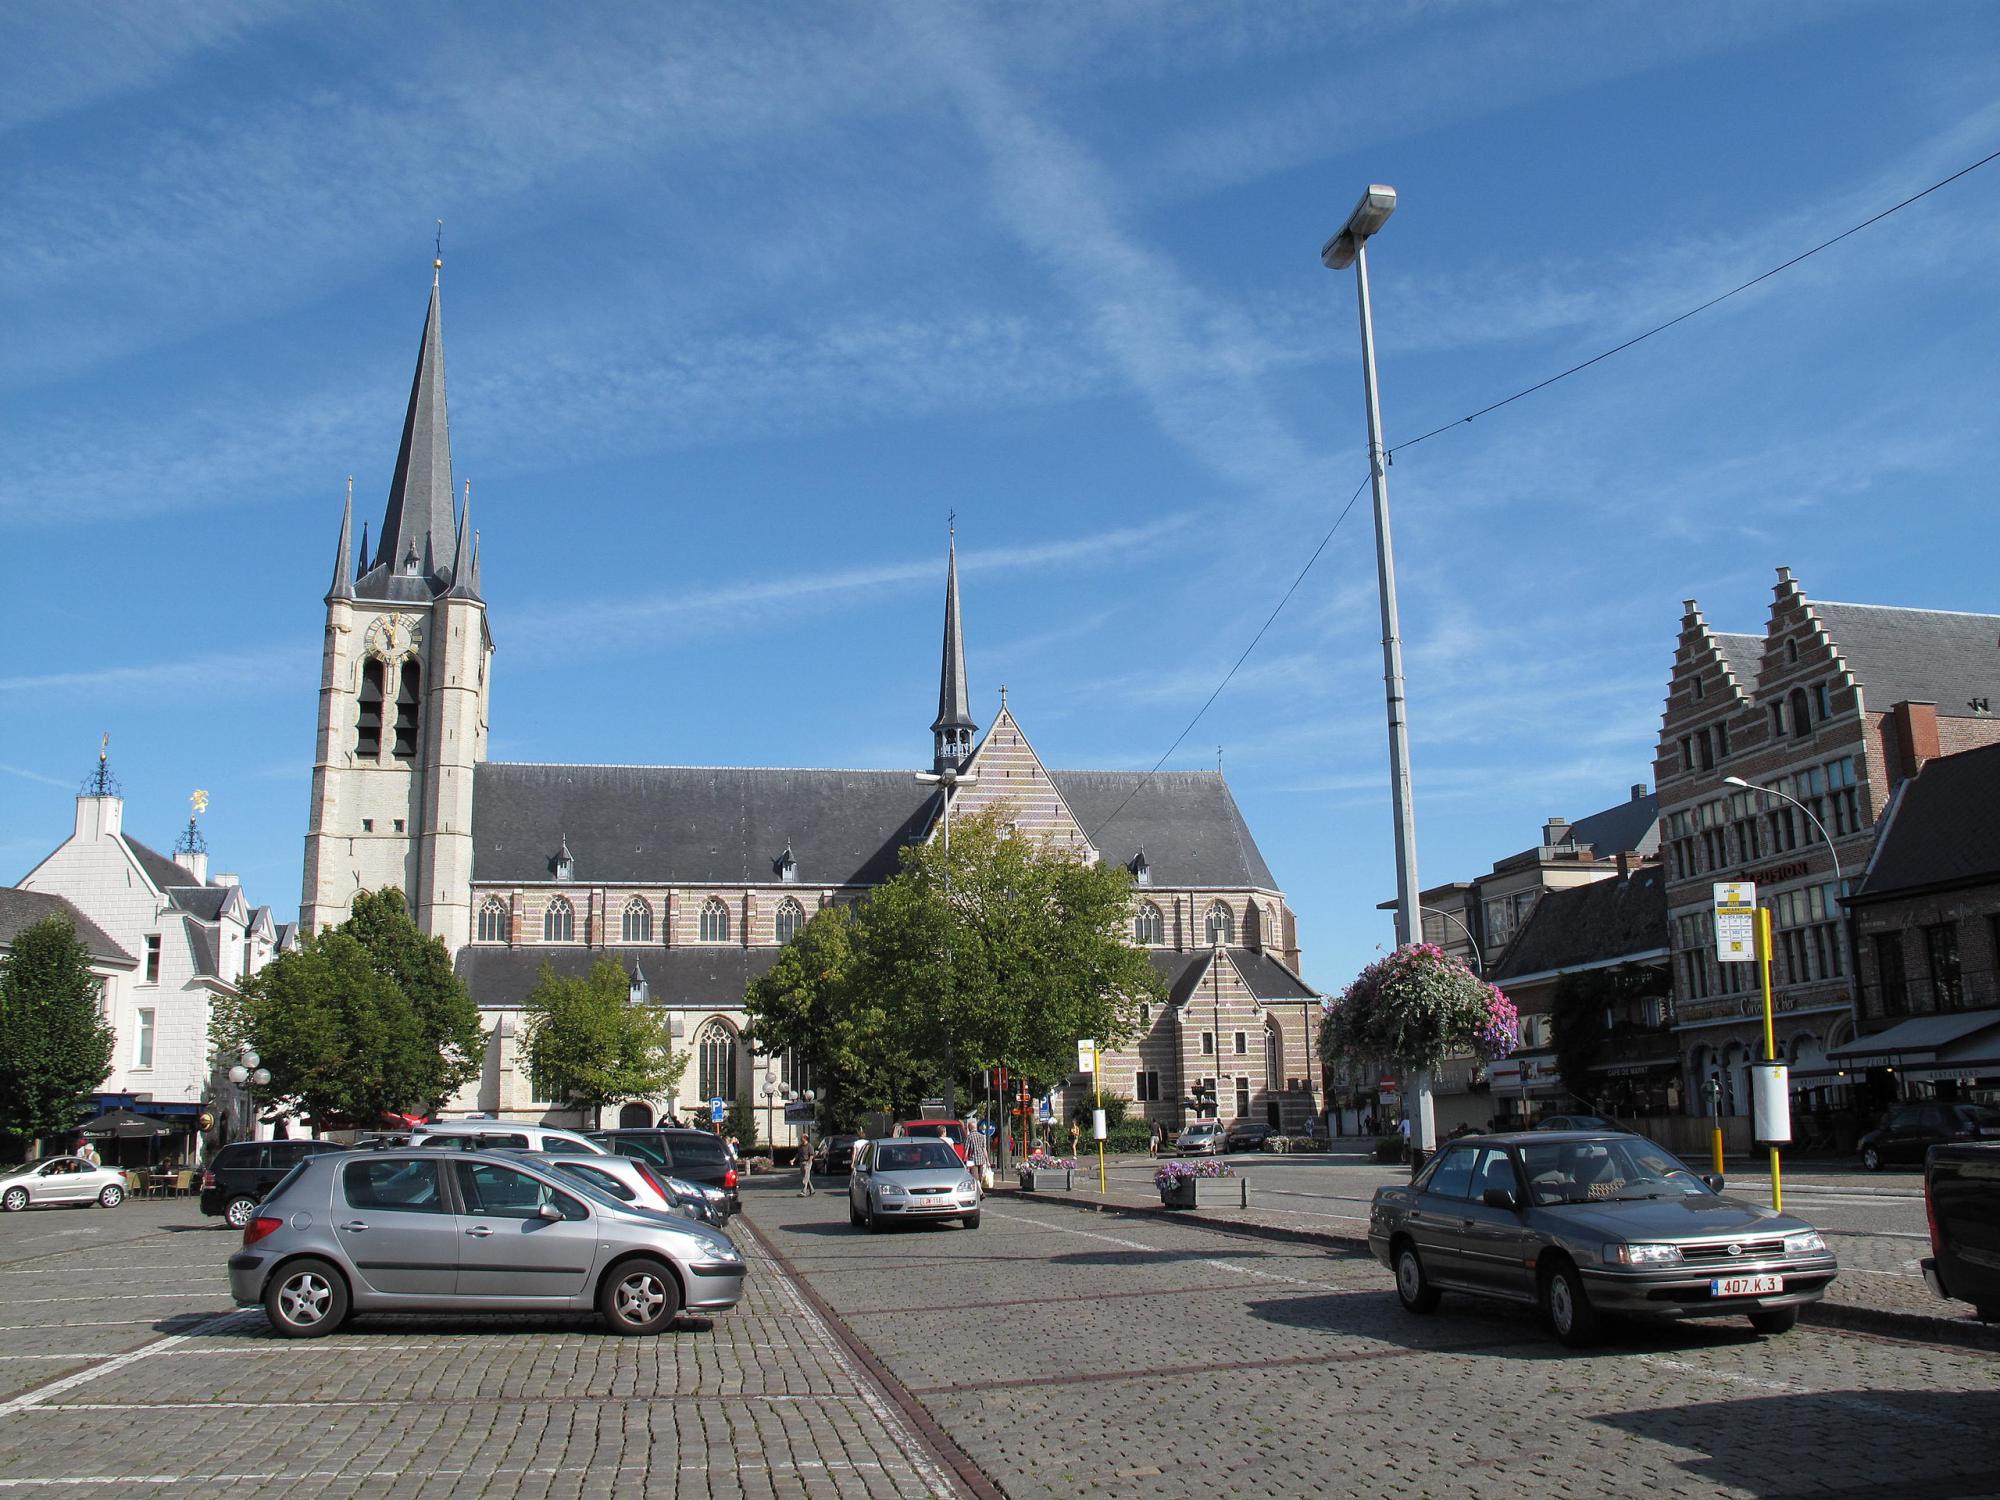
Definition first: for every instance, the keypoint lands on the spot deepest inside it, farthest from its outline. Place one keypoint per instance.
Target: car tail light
(729, 1178)
(1930, 1218)
(646, 1175)
(260, 1226)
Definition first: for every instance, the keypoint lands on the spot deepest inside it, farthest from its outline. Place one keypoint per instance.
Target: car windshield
(914, 1156)
(1621, 1169)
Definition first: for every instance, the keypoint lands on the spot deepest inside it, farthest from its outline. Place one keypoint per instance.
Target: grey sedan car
(911, 1178)
(61, 1179)
(429, 1231)
(1586, 1223)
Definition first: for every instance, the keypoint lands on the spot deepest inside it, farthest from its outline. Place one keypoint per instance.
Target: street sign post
(717, 1108)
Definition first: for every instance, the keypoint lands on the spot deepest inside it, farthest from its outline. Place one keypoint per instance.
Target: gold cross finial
(199, 801)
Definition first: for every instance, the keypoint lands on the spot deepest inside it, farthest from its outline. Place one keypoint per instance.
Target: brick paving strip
(1859, 1317)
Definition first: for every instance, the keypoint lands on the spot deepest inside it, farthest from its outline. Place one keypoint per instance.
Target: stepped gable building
(1833, 705)
(694, 877)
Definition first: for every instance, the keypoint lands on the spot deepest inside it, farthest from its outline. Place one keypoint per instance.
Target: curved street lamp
(1846, 933)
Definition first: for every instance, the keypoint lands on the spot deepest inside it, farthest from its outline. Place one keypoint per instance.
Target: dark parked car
(241, 1173)
(1962, 1202)
(1578, 1122)
(1244, 1136)
(693, 1154)
(1585, 1223)
(838, 1160)
(1909, 1130)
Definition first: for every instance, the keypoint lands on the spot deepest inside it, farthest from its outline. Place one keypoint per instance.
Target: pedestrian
(87, 1151)
(805, 1164)
(1075, 1136)
(1153, 1139)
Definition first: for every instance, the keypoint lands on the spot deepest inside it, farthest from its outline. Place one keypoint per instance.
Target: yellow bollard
(1718, 1149)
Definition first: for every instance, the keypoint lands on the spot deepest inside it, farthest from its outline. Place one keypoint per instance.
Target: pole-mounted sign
(1735, 921)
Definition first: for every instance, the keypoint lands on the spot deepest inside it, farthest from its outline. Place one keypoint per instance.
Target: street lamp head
(260, 1076)
(1369, 215)
(239, 1074)
(1737, 781)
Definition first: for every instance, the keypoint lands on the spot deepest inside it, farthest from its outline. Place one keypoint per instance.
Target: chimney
(235, 882)
(99, 817)
(1624, 863)
(195, 862)
(1638, 791)
(1913, 730)
(1555, 831)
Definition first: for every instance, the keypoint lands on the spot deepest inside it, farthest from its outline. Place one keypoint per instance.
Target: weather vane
(438, 259)
(199, 801)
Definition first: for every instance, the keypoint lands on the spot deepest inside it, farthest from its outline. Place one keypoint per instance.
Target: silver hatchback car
(429, 1231)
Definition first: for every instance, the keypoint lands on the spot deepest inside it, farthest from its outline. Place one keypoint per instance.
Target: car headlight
(1809, 1243)
(890, 1190)
(1642, 1255)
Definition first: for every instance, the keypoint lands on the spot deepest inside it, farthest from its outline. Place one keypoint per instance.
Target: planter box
(1207, 1192)
(1045, 1181)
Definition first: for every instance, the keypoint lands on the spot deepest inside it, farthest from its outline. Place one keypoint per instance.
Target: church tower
(951, 734)
(403, 688)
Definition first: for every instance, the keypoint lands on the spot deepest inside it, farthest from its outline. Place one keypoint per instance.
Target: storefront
(1525, 1087)
(1955, 1056)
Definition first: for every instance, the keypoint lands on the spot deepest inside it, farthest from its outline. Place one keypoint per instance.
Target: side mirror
(1501, 1198)
(550, 1212)
(1714, 1181)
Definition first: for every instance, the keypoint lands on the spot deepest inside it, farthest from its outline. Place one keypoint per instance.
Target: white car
(60, 1179)
(503, 1135)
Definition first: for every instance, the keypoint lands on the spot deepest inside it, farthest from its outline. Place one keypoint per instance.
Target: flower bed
(1192, 1184)
(1042, 1173)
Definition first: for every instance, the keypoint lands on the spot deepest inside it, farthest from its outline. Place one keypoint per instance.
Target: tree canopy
(54, 1047)
(588, 1045)
(1003, 952)
(364, 1019)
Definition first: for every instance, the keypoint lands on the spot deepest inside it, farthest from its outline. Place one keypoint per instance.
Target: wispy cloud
(26, 775)
(216, 675)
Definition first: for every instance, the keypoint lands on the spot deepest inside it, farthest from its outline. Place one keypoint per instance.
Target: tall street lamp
(1350, 247)
(947, 779)
(1846, 933)
(247, 1075)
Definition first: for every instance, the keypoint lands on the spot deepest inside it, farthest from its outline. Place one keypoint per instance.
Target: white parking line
(111, 1297)
(32, 1399)
(1216, 1265)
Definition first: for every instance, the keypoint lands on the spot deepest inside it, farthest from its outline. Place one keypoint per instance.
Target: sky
(742, 303)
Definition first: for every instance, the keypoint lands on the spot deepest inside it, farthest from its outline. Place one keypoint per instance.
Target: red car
(943, 1130)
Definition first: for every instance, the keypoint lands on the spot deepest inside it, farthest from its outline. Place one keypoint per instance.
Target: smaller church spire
(464, 572)
(362, 564)
(951, 734)
(343, 557)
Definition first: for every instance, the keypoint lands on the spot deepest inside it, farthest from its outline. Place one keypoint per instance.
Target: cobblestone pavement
(1874, 1221)
(1076, 1355)
(125, 1371)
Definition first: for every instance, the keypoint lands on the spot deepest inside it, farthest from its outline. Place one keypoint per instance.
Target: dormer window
(1142, 873)
(565, 862)
(788, 866)
(639, 992)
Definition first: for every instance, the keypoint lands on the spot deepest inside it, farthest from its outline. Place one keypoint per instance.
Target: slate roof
(1917, 655)
(655, 825)
(1266, 977)
(163, 872)
(707, 976)
(420, 517)
(1597, 923)
(1187, 822)
(201, 949)
(1630, 827)
(203, 901)
(1742, 654)
(21, 909)
(1943, 829)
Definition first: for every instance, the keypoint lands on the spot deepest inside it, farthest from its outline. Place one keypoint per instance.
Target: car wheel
(1777, 1320)
(970, 1221)
(112, 1196)
(1576, 1323)
(240, 1212)
(1412, 1285)
(874, 1219)
(14, 1199)
(853, 1214)
(305, 1300)
(639, 1297)
(1986, 1312)
(1871, 1158)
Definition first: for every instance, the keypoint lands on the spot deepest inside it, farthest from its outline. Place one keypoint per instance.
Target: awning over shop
(1638, 1069)
(1924, 1039)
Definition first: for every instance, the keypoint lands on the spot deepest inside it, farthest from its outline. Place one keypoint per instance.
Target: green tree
(591, 1046)
(54, 1049)
(363, 1019)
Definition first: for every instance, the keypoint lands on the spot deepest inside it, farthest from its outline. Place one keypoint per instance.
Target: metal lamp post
(948, 779)
(247, 1075)
(1350, 247)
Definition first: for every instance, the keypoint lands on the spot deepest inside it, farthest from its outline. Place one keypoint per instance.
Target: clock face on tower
(395, 635)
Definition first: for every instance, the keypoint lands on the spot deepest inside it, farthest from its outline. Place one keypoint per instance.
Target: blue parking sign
(717, 1108)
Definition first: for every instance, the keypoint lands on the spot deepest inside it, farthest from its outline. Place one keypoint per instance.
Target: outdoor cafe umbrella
(123, 1125)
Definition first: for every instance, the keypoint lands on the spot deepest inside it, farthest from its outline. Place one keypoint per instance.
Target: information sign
(1735, 921)
(1086, 1056)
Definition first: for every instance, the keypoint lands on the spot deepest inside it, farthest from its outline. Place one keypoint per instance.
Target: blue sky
(740, 302)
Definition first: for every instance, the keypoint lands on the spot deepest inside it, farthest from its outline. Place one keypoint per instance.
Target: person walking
(1075, 1136)
(805, 1164)
(1153, 1140)
(87, 1151)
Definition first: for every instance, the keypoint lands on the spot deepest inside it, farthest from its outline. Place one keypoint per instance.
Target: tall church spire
(464, 572)
(343, 557)
(417, 527)
(952, 734)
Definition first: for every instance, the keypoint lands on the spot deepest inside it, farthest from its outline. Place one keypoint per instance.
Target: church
(694, 877)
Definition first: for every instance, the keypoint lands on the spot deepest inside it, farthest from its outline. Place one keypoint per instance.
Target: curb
(1929, 1328)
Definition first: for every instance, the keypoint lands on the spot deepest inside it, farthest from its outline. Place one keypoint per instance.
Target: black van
(1962, 1202)
(692, 1154)
(242, 1172)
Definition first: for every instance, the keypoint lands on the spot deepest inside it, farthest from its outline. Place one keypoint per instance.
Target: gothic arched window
(493, 920)
(559, 922)
(790, 918)
(1147, 924)
(714, 925)
(638, 921)
(1221, 925)
(715, 1050)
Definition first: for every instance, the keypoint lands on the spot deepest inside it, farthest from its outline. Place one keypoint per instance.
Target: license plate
(1745, 1286)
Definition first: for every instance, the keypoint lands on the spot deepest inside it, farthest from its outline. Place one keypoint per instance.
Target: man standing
(805, 1163)
(87, 1151)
